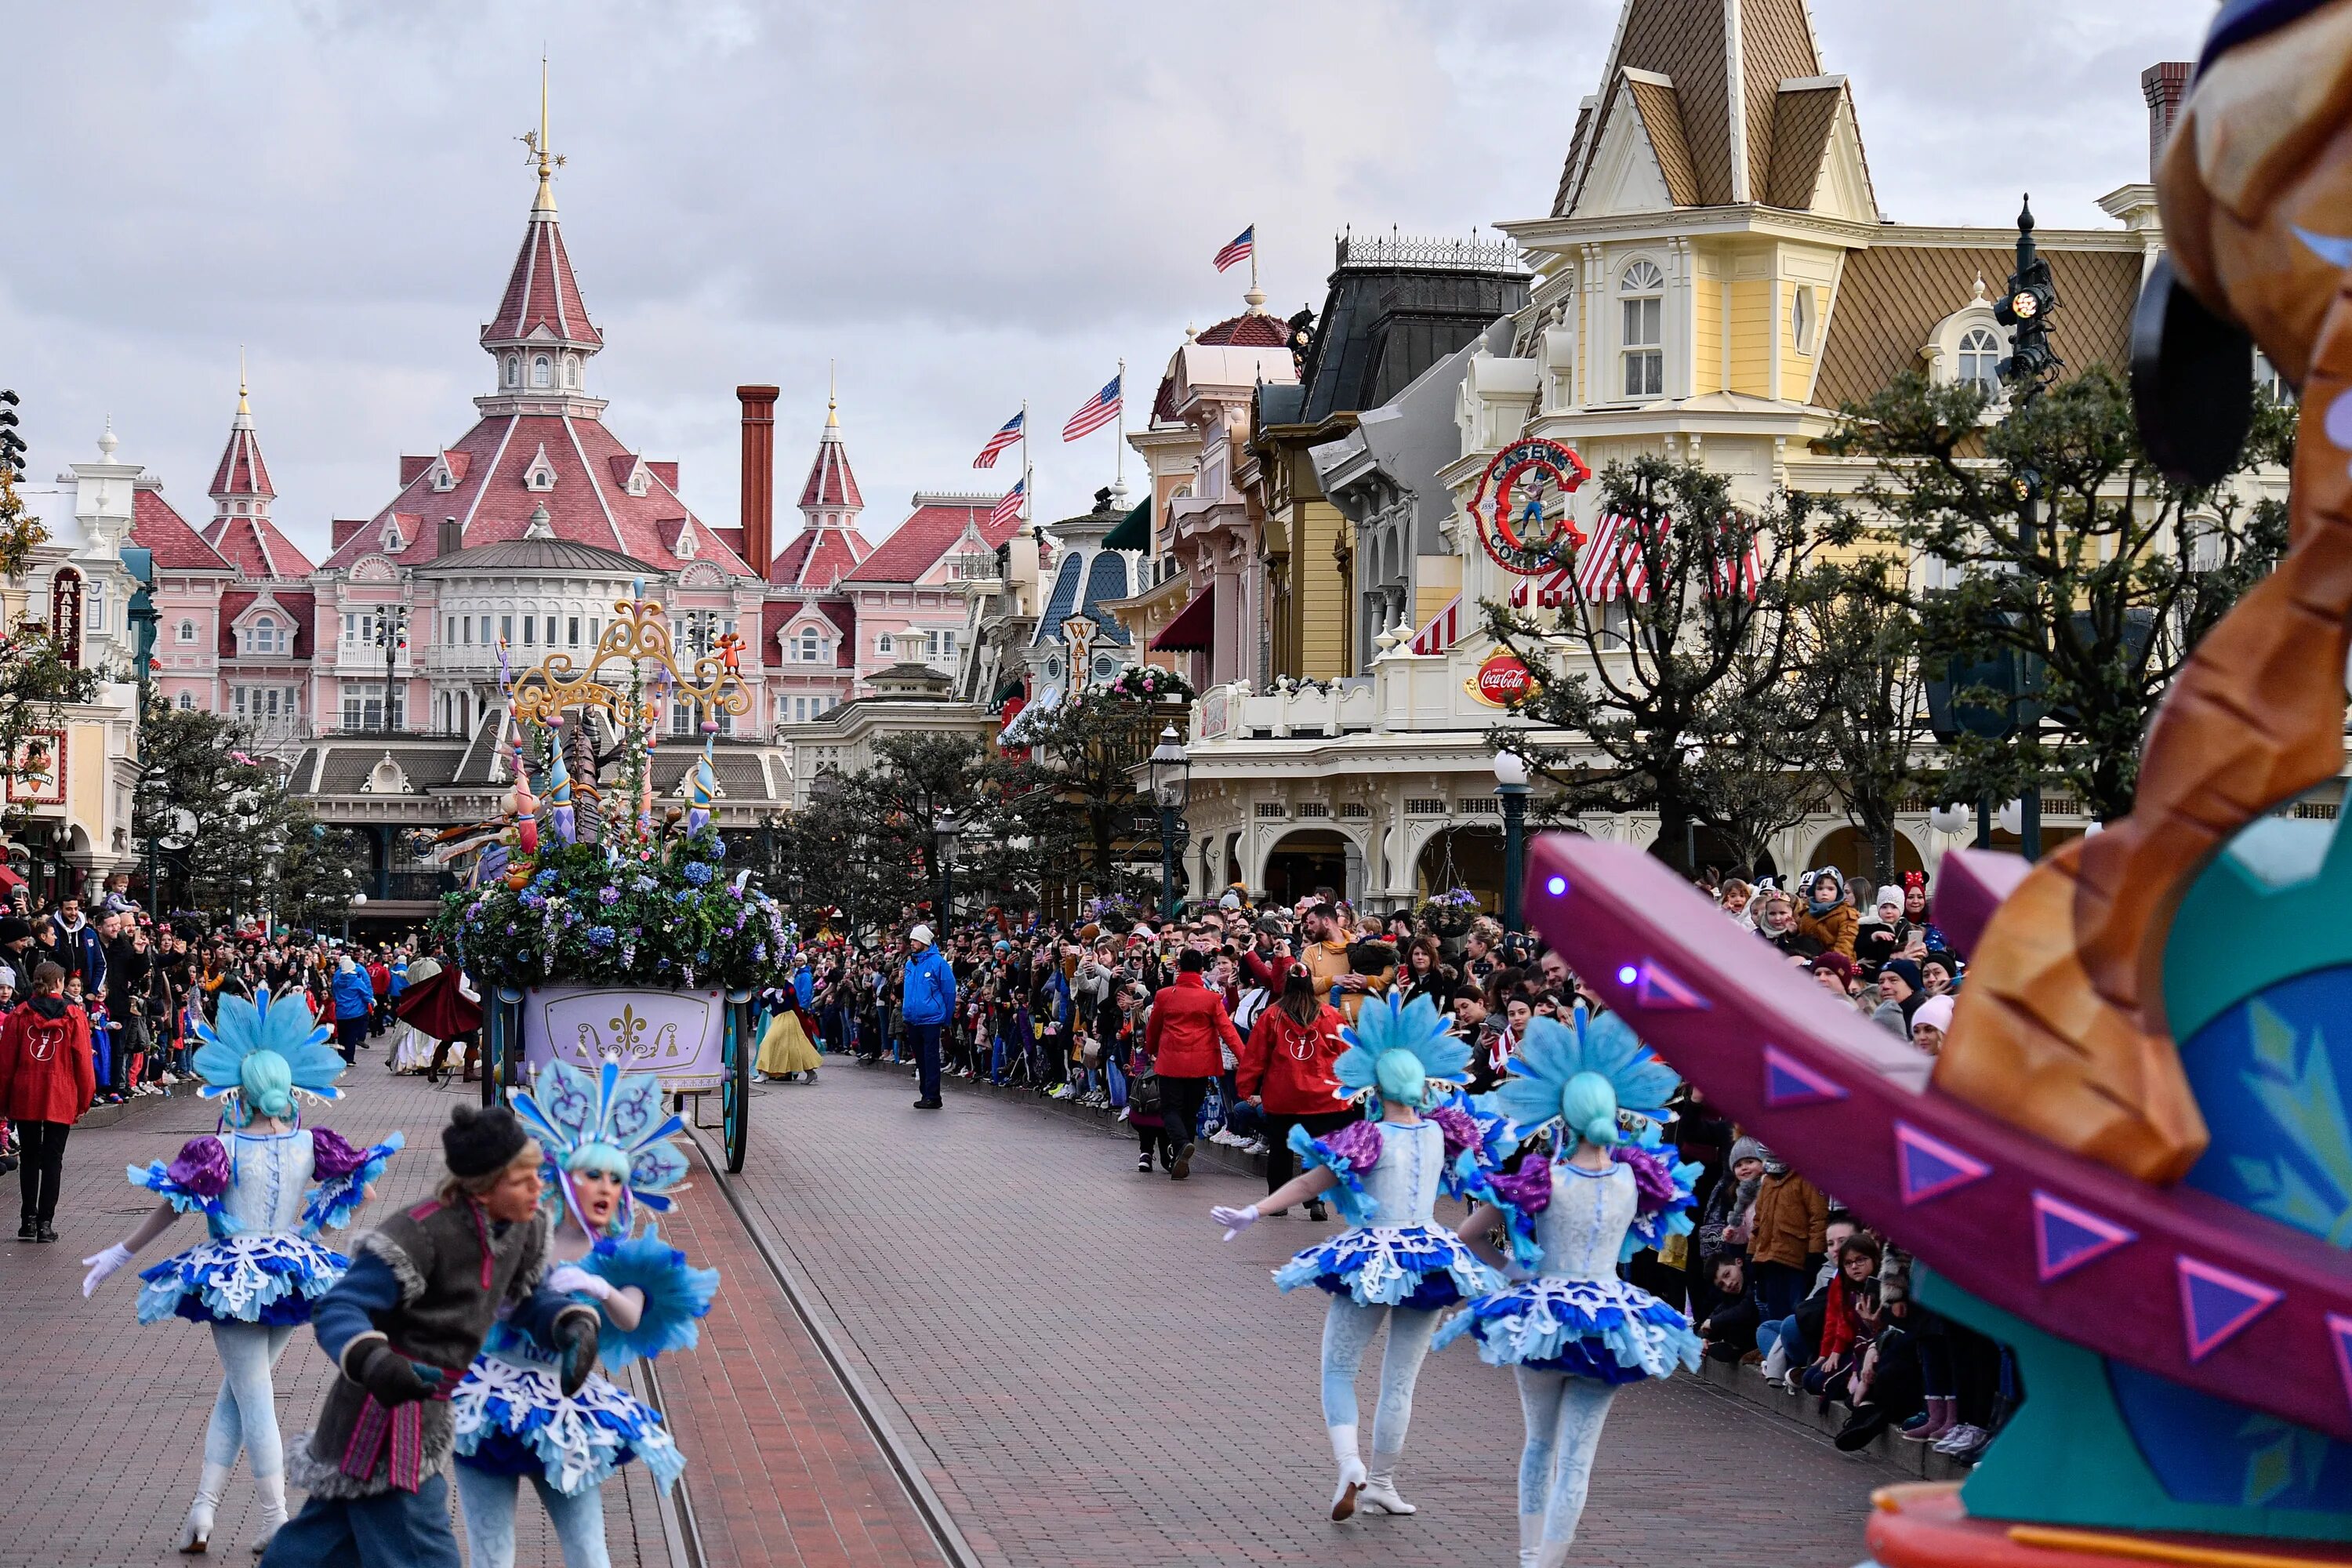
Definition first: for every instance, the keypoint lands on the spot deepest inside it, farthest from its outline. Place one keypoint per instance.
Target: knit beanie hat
(1746, 1149)
(1907, 968)
(1935, 1012)
(479, 1141)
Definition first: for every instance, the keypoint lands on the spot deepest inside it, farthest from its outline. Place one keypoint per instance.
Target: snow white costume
(267, 1185)
(600, 1132)
(1575, 1331)
(1391, 1263)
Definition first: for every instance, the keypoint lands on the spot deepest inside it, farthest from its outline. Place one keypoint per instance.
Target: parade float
(600, 918)
(2132, 1163)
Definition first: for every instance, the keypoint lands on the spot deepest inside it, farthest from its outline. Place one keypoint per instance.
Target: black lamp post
(946, 834)
(391, 636)
(2024, 308)
(1511, 788)
(1171, 787)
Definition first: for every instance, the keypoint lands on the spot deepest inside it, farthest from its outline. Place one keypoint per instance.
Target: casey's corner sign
(1520, 508)
(1501, 678)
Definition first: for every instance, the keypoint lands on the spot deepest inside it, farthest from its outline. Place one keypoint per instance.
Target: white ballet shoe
(270, 1490)
(1351, 1472)
(1380, 1487)
(196, 1532)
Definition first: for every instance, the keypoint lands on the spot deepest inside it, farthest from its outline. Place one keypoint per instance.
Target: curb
(98, 1116)
(1097, 1118)
(1744, 1382)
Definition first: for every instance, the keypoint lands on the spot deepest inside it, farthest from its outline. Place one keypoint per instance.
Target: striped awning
(1445, 629)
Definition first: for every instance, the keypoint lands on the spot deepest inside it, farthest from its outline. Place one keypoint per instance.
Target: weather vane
(535, 141)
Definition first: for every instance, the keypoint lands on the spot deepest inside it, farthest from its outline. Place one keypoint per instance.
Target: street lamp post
(2025, 310)
(1511, 788)
(391, 636)
(1172, 788)
(946, 833)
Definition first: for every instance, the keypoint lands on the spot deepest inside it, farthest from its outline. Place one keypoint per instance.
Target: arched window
(809, 650)
(571, 369)
(543, 370)
(187, 632)
(514, 370)
(187, 702)
(1979, 360)
(1642, 299)
(264, 636)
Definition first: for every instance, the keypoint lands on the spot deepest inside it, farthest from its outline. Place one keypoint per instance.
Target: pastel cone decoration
(704, 790)
(559, 792)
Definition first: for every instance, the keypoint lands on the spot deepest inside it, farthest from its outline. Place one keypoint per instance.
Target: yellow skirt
(786, 1048)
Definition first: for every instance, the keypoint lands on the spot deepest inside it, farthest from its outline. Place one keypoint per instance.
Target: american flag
(1096, 411)
(1012, 431)
(1242, 247)
(1611, 562)
(1008, 506)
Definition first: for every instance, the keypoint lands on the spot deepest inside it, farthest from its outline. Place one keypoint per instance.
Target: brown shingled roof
(1661, 117)
(1802, 119)
(1890, 297)
(1775, 44)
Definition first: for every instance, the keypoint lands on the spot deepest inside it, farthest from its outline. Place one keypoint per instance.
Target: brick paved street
(105, 1418)
(1095, 1380)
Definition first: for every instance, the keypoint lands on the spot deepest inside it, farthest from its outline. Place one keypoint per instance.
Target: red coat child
(45, 1071)
(1188, 1023)
(1288, 1064)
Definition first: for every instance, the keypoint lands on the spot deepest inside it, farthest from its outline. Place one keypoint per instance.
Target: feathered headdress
(243, 1028)
(1387, 1025)
(568, 1110)
(1550, 1054)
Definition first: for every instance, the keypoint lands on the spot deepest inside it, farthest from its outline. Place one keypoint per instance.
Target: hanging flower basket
(1449, 913)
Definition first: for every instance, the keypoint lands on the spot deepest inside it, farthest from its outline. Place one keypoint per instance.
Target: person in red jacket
(1285, 1072)
(47, 1082)
(1189, 1035)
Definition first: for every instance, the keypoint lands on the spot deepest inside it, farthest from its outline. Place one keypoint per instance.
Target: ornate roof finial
(106, 441)
(832, 398)
(244, 409)
(541, 154)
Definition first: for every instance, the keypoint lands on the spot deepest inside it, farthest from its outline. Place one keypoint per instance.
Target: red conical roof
(242, 475)
(830, 482)
(541, 292)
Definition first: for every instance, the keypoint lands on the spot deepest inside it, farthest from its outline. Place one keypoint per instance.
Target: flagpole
(1118, 473)
(1252, 231)
(1028, 485)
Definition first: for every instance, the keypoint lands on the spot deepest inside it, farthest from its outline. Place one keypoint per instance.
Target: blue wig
(1582, 1077)
(612, 1121)
(1401, 1052)
(286, 1030)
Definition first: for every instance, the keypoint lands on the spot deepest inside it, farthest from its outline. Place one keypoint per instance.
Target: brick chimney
(451, 538)
(759, 511)
(2164, 85)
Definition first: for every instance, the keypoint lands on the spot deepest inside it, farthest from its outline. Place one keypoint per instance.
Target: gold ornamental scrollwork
(638, 637)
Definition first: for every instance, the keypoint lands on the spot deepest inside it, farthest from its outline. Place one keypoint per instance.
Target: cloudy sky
(962, 204)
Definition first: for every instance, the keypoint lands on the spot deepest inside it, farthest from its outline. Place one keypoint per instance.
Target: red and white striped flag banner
(1008, 505)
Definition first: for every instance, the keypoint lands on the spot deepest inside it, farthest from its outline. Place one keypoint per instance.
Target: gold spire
(243, 408)
(832, 398)
(536, 142)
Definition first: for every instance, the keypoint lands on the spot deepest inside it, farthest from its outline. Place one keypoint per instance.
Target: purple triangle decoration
(2340, 1330)
(1659, 992)
(2067, 1237)
(1788, 1081)
(1930, 1167)
(2216, 1305)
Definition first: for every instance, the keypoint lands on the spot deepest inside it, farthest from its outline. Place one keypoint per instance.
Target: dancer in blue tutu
(266, 1186)
(1575, 1331)
(609, 1154)
(1394, 1263)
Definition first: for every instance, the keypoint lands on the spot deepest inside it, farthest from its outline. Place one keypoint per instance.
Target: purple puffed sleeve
(332, 1154)
(201, 1168)
(1358, 1144)
(1462, 1133)
(1654, 1182)
(1527, 1189)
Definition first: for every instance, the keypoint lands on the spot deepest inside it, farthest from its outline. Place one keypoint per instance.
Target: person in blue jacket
(354, 1005)
(927, 1001)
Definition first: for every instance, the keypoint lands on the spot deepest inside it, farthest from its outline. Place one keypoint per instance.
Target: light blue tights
(1564, 1415)
(490, 1519)
(245, 1415)
(1348, 1330)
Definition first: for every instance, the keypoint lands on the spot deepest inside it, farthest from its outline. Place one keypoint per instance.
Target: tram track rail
(905, 1463)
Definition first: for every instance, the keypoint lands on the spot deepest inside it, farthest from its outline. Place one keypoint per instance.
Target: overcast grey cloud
(960, 204)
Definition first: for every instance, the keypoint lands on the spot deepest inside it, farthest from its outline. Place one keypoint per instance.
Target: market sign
(1520, 508)
(1502, 678)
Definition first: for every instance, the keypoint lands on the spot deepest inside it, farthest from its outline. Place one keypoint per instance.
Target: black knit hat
(480, 1141)
(14, 930)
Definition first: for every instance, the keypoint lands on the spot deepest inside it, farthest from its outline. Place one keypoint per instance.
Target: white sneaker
(1958, 1437)
(1255, 1146)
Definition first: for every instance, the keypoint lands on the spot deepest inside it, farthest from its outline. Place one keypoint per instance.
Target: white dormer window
(684, 550)
(187, 632)
(571, 369)
(540, 475)
(392, 543)
(514, 370)
(1643, 304)
(543, 370)
(1979, 360)
(811, 648)
(443, 480)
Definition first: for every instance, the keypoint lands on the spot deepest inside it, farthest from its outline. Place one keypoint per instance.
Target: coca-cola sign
(1502, 678)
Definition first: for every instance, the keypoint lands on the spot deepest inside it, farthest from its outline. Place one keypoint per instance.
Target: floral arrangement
(582, 880)
(1149, 683)
(1449, 913)
(657, 915)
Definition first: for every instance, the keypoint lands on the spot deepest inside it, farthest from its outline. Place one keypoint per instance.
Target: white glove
(573, 1279)
(103, 1264)
(1236, 1220)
